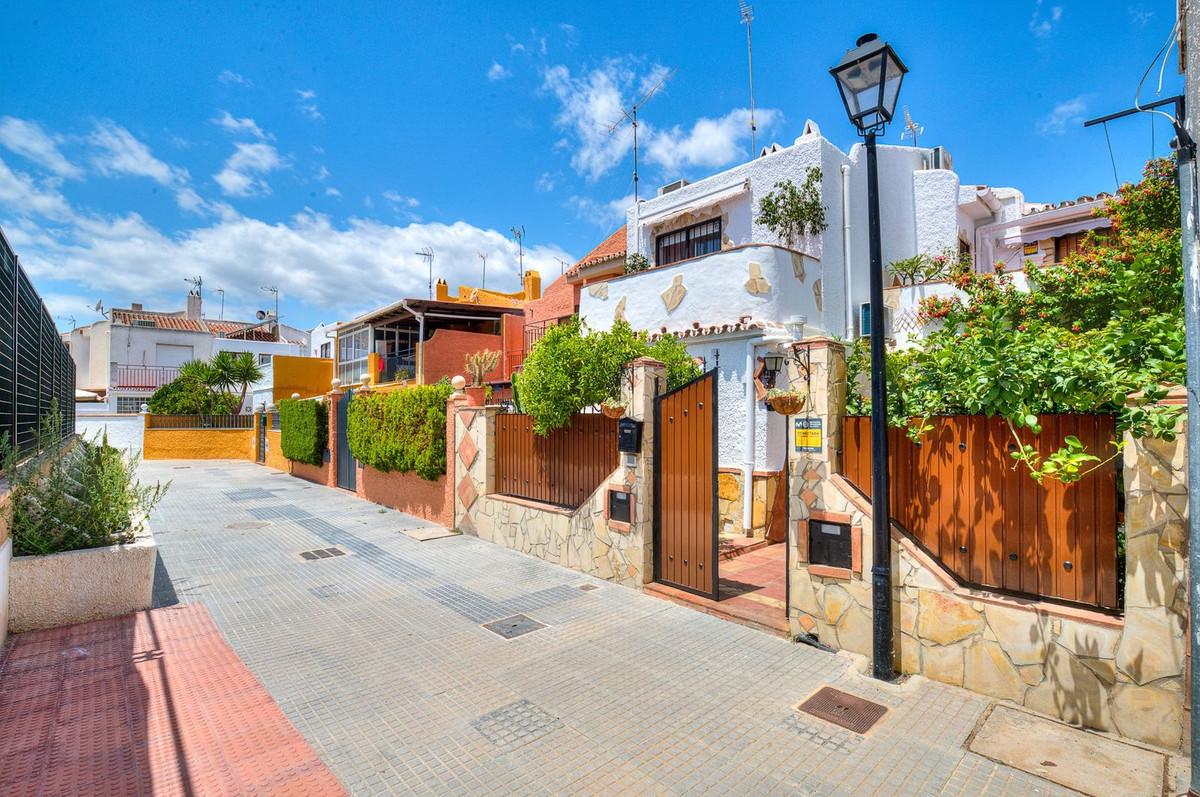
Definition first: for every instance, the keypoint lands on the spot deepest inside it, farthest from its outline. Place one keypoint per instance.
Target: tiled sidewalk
(151, 703)
(381, 659)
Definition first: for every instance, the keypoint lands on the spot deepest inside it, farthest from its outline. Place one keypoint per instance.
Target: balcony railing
(143, 377)
(398, 367)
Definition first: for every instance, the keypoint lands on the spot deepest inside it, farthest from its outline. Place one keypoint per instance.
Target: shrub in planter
(403, 430)
(86, 497)
(303, 430)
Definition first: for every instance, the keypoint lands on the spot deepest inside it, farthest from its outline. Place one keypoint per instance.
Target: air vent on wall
(669, 187)
(149, 323)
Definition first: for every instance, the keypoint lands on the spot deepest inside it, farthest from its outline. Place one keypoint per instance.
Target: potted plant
(612, 408)
(478, 365)
(785, 401)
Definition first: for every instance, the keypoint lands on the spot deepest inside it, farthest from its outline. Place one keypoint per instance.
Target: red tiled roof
(228, 328)
(612, 247)
(161, 320)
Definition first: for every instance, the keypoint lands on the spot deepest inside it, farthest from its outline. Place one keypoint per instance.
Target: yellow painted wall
(198, 444)
(308, 376)
(275, 458)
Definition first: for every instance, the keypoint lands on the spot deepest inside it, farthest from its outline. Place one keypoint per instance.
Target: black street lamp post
(869, 78)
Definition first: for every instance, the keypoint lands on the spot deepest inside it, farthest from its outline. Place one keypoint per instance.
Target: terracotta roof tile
(161, 320)
(612, 247)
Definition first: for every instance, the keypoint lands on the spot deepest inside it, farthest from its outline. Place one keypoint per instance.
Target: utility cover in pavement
(427, 533)
(1079, 760)
(513, 626)
(322, 553)
(849, 711)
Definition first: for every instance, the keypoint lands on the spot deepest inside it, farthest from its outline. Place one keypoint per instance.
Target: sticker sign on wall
(807, 434)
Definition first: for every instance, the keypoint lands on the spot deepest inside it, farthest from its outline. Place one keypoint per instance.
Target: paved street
(380, 658)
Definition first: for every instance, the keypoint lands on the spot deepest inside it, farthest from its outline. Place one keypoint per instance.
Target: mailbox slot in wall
(829, 544)
(629, 436)
(619, 504)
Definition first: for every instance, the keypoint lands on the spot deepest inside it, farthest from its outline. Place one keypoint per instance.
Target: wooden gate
(685, 497)
(347, 476)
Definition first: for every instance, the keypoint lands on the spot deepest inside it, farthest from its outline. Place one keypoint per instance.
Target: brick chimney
(136, 307)
(193, 306)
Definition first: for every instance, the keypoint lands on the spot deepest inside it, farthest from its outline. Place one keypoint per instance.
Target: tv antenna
(274, 291)
(911, 128)
(197, 283)
(483, 256)
(99, 309)
(69, 318)
(747, 14)
(519, 234)
(426, 254)
(221, 291)
(562, 266)
(631, 116)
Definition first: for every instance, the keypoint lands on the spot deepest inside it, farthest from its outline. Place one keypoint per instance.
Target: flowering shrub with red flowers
(1088, 332)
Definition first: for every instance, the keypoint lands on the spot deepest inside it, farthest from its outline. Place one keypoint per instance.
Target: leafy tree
(571, 368)
(208, 388)
(1105, 323)
(793, 213)
(236, 372)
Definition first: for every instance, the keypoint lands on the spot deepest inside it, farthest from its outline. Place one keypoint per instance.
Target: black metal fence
(36, 368)
(200, 421)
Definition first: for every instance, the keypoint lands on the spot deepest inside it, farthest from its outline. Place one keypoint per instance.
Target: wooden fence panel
(562, 468)
(956, 492)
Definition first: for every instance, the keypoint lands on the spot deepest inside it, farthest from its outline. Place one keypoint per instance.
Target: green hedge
(404, 430)
(303, 430)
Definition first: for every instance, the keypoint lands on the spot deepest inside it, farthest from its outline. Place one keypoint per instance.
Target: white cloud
(710, 142)
(498, 72)
(31, 141)
(307, 103)
(606, 215)
(1068, 113)
(321, 263)
(25, 197)
(589, 106)
(236, 126)
(1042, 24)
(396, 198)
(244, 171)
(1140, 15)
(228, 76)
(547, 181)
(122, 154)
(331, 191)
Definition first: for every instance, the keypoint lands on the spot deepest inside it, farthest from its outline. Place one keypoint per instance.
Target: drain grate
(514, 626)
(848, 711)
(516, 724)
(322, 553)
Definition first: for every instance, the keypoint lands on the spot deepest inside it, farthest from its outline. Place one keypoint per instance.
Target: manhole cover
(846, 710)
(247, 524)
(589, 587)
(513, 626)
(322, 553)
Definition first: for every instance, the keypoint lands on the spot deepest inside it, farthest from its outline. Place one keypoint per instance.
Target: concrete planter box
(77, 586)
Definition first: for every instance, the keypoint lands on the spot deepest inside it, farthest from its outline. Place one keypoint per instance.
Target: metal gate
(346, 476)
(262, 437)
(685, 496)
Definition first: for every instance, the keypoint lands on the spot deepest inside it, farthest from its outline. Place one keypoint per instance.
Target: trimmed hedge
(303, 430)
(403, 430)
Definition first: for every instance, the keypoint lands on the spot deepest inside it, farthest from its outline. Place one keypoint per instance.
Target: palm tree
(202, 377)
(234, 370)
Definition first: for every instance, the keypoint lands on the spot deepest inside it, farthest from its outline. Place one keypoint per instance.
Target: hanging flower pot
(786, 402)
(612, 409)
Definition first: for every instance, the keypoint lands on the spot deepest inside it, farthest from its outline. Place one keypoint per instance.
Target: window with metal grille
(699, 239)
(130, 405)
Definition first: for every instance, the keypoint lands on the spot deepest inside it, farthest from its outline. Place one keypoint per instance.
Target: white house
(127, 356)
(734, 292)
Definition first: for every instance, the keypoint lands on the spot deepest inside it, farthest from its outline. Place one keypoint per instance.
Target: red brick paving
(152, 703)
(753, 590)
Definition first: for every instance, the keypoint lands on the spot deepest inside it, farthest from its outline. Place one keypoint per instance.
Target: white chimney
(193, 306)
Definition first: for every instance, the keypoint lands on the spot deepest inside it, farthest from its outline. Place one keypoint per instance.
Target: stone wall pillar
(332, 398)
(648, 380)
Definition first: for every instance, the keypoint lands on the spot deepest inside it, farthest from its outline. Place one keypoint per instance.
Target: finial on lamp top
(295, 397)
(335, 383)
(458, 382)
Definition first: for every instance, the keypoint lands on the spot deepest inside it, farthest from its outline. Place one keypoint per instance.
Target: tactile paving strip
(152, 703)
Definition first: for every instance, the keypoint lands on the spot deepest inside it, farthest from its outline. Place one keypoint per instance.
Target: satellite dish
(260, 315)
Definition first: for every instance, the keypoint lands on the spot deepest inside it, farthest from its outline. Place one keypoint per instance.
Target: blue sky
(318, 148)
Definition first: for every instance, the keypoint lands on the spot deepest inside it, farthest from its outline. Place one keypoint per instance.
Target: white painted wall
(716, 292)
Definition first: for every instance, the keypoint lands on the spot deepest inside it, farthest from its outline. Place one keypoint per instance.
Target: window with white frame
(130, 405)
(353, 348)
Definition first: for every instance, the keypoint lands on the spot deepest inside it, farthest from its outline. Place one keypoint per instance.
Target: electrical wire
(1162, 53)
(1111, 158)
